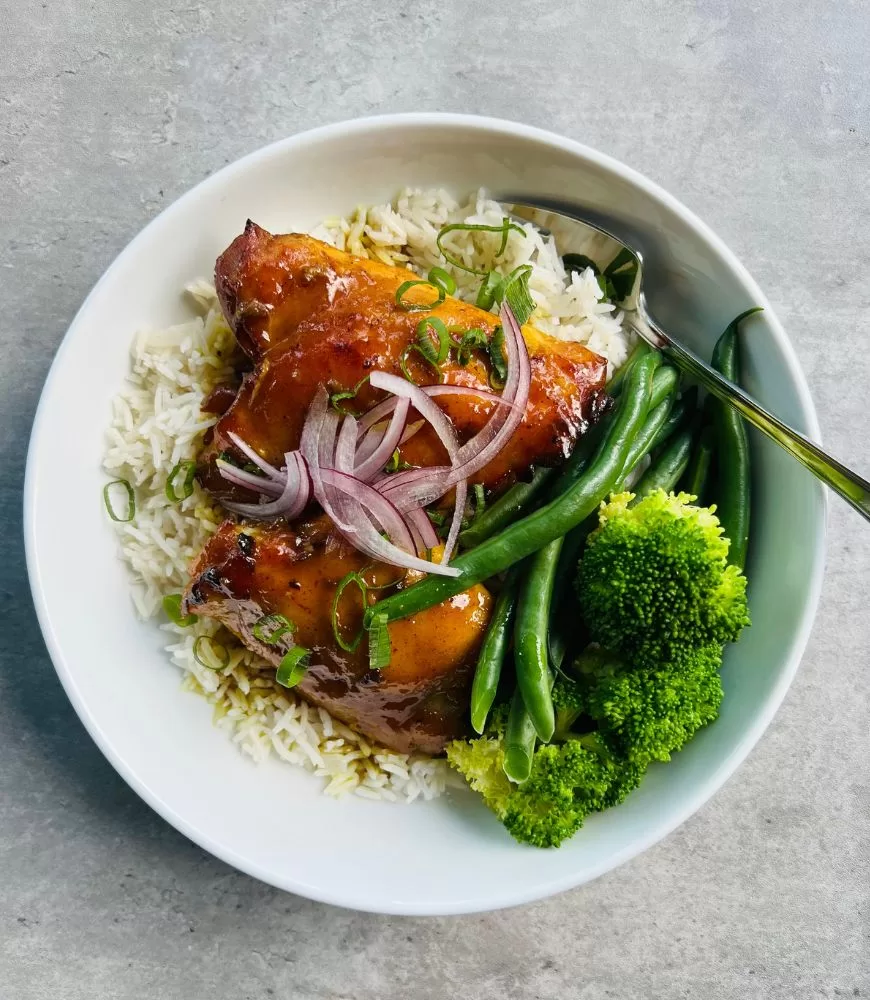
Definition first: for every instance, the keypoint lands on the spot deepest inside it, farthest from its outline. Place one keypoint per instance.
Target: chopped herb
(505, 229)
(515, 291)
(438, 276)
(435, 354)
(406, 286)
(293, 666)
(272, 628)
(336, 399)
(110, 503)
(472, 340)
(179, 482)
(403, 364)
(210, 654)
(489, 289)
(172, 607)
(498, 358)
(379, 643)
(352, 645)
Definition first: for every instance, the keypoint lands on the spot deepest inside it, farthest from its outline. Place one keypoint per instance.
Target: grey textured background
(756, 115)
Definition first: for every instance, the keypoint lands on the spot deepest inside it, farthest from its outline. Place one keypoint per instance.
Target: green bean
(530, 638)
(553, 520)
(492, 654)
(731, 443)
(694, 482)
(519, 741)
(510, 505)
(614, 386)
(668, 467)
(681, 413)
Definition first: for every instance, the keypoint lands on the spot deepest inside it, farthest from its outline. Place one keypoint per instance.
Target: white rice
(157, 422)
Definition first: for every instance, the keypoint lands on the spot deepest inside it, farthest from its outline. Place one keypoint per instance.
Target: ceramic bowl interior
(450, 855)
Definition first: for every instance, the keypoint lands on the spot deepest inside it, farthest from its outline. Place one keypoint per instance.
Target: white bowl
(451, 855)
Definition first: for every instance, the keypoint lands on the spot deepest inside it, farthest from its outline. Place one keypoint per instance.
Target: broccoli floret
(568, 782)
(648, 714)
(654, 583)
(569, 702)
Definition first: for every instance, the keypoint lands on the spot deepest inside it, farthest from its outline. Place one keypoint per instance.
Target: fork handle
(854, 489)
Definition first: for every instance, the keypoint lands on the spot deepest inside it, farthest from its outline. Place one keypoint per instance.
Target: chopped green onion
(131, 500)
(172, 607)
(272, 628)
(210, 654)
(621, 272)
(403, 364)
(489, 291)
(479, 499)
(396, 463)
(435, 355)
(379, 643)
(515, 291)
(497, 356)
(437, 517)
(505, 230)
(343, 584)
(177, 491)
(472, 340)
(443, 279)
(381, 586)
(406, 286)
(293, 666)
(336, 398)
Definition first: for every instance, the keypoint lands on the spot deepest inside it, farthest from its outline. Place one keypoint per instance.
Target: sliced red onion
(248, 480)
(422, 529)
(365, 536)
(318, 438)
(366, 468)
(292, 500)
(249, 452)
(456, 523)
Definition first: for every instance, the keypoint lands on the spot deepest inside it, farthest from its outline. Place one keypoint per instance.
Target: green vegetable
(668, 467)
(406, 286)
(567, 783)
(293, 666)
(130, 497)
(732, 448)
(435, 352)
(519, 740)
(443, 279)
(515, 292)
(177, 491)
(497, 355)
(697, 473)
(270, 629)
(505, 229)
(530, 637)
(492, 654)
(489, 289)
(172, 607)
(654, 581)
(210, 654)
(474, 339)
(403, 363)
(379, 640)
(552, 521)
(614, 386)
(336, 399)
(514, 502)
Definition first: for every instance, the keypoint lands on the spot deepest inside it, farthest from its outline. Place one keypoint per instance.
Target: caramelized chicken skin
(419, 702)
(307, 315)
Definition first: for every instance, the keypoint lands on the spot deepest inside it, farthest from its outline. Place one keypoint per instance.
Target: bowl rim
(702, 791)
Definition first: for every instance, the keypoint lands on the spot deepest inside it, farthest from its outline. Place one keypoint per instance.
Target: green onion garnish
(497, 356)
(621, 273)
(336, 399)
(343, 584)
(438, 276)
(293, 666)
(488, 291)
(210, 654)
(505, 230)
(479, 499)
(396, 463)
(472, 340)
(272, 628)
(379, 643)
(172, 607)
(131, 500)
(403, 364)
(435, 354)
(515, 291)
(406, 286)
(179, 482)
(381, 586)
(579, 262)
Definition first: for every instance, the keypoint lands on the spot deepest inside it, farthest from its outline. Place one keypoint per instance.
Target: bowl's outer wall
(449, 855)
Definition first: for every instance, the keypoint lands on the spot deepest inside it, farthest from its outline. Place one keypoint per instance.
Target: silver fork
(854, 489)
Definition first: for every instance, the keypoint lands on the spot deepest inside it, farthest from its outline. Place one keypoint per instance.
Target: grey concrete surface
(757, 115)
